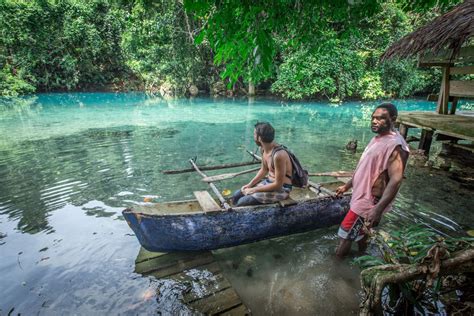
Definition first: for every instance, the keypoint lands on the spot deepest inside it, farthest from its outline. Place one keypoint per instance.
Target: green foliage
(410, 245)
(243, 34)
(61, 45)
(159, 47)
(330, 70)
(307, 49)
(13, 85)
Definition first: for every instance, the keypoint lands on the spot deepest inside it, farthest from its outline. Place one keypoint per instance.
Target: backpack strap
(277, 149)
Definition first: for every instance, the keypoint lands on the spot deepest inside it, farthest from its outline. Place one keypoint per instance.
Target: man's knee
(247, 200)
(237, 196)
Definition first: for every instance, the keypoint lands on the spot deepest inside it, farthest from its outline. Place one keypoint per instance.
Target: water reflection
(69, 163)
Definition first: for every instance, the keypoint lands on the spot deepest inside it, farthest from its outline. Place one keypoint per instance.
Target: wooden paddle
(225, 176)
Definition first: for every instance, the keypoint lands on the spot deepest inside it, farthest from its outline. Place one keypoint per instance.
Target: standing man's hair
(392, 109)
(265, 131)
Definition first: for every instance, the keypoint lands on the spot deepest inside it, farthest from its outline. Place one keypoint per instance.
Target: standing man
(376, 180)
(276, 163)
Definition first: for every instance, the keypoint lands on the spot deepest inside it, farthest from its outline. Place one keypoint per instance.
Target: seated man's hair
(392, 109)
(265, 131)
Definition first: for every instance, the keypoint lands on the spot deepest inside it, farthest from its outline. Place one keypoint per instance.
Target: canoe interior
(192, 206)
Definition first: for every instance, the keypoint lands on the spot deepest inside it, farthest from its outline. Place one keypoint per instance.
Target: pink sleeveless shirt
(373, 162)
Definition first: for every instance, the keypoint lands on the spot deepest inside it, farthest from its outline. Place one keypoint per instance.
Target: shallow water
(69, 163)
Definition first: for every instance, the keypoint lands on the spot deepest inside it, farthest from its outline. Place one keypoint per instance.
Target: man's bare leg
(343, 248)
(363, 243)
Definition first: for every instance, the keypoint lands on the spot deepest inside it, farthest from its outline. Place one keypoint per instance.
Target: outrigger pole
(224, 166)
(213, 187)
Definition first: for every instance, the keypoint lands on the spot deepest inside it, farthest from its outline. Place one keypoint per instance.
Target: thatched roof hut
(450, 30)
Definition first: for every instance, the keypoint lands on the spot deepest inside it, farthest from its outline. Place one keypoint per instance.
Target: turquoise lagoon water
(69, 163)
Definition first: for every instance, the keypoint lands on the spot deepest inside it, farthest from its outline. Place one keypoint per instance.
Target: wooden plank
(464, 70)
(210, 295)
(163, 262)
(218, 303)
(288, 201)
(219, 283)
(237, 311)
(144, 255)
(460, 126)
(459, 88)
(467, 147)
(206, 201)
(182, 265)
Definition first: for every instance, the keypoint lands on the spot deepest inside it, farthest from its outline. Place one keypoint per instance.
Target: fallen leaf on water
(470, 232)
(147, 199)
(226, 192)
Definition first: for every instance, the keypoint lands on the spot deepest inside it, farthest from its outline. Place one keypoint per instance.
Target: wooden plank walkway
(215, 296)
(447, 127)
(460, 126)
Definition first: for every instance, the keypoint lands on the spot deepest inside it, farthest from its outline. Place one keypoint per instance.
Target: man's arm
(395, 173)
(344, 188)
(280, 171)
(258, 177)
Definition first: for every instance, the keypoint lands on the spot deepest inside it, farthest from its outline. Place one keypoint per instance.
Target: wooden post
(439, 105)
(454, 105)
(403, 129)
(446, 76)
(425, 141)
(443, 99)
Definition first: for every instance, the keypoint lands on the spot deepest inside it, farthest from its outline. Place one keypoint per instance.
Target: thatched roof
(450, 30)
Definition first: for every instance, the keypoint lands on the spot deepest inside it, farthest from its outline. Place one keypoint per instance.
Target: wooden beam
(460, 88)
(443, 57)
(465, 70)
(433, 97)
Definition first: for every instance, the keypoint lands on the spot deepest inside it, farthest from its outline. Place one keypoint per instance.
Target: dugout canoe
(185, 226)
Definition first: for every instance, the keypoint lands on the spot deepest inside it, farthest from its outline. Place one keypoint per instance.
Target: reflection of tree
(41, 176)
(38, 177)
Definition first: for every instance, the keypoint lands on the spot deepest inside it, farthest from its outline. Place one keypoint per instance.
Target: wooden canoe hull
(207, 231)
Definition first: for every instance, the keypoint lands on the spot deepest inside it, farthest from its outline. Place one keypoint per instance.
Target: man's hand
(245, 187)
(248, 191)
(374, 217)
(340, 190)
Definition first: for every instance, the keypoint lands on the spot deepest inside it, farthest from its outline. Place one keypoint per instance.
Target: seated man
(276, 163)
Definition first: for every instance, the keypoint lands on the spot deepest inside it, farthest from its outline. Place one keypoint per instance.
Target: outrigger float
(203, 224)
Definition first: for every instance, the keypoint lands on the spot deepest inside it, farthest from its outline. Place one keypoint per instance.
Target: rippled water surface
(69, 163)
